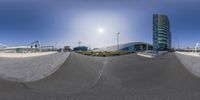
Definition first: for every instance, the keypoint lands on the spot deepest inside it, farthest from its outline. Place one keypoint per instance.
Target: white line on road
(101, 72)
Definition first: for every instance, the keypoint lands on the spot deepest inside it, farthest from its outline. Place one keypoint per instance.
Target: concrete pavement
(127, 77)
(191, 61)
(36, 67)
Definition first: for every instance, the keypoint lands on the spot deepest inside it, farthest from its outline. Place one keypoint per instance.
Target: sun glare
(100, 30)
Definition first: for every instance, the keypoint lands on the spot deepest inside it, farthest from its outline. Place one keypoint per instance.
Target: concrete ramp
(191, 61)
(24, 55)
(25, 69)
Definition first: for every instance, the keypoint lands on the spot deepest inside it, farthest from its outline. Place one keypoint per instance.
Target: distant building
(32, 47)
(161, 33)
(129, 47)
(48, 48)
(81, 48)
(18, 49)
(95, 49)
(67, 48)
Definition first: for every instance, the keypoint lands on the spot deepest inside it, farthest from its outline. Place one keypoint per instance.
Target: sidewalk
(30, 68)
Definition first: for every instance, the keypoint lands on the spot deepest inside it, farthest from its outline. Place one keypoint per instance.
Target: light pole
(118, 41)
(177, 43)
(79, 43)
(196, 47)
(55, 45)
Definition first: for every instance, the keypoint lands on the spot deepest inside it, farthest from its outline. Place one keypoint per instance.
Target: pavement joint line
(26, 86)
(101, 72)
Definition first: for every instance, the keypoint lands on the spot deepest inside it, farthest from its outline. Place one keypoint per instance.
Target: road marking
(101, 72)
(145, 55)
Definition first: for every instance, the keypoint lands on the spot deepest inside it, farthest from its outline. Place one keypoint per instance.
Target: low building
(81, 48)
(18, 49)
(67, 48)
(129, 47)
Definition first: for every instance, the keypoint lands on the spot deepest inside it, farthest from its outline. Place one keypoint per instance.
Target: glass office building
(161, 33)
(129, 47)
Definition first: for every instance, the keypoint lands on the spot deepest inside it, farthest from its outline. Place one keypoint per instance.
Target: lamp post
(118, 41)
(196, 47)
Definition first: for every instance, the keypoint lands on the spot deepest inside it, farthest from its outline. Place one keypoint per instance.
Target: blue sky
(66, 22)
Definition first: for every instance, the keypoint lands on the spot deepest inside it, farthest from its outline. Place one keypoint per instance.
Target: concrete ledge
(191, 62)
(194, 54)
(27, 69)
(147, 55)
(22, 55)
(151, 54)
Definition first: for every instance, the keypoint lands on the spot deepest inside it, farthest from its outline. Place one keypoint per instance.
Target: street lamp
(118, 41)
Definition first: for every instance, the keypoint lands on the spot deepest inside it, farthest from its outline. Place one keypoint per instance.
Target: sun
(100, 30)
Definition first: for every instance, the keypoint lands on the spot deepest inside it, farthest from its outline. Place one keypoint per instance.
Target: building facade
(81, 48)
(128, 47)
(161, 33)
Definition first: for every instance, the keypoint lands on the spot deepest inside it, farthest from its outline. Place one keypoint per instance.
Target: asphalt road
(128, 77)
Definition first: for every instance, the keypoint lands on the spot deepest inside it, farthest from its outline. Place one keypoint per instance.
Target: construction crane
(79, 43)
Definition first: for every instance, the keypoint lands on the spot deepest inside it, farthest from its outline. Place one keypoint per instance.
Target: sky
(66, 22)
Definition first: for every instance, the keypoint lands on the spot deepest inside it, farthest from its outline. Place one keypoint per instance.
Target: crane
(79, 43)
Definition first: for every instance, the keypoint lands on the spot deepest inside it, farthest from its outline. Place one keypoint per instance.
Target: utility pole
(197, 46)
(79, 43)
(118, 41)
(55, 45)
(178, 44)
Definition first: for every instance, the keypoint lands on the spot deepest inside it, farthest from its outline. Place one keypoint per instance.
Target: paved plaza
(127, 77)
